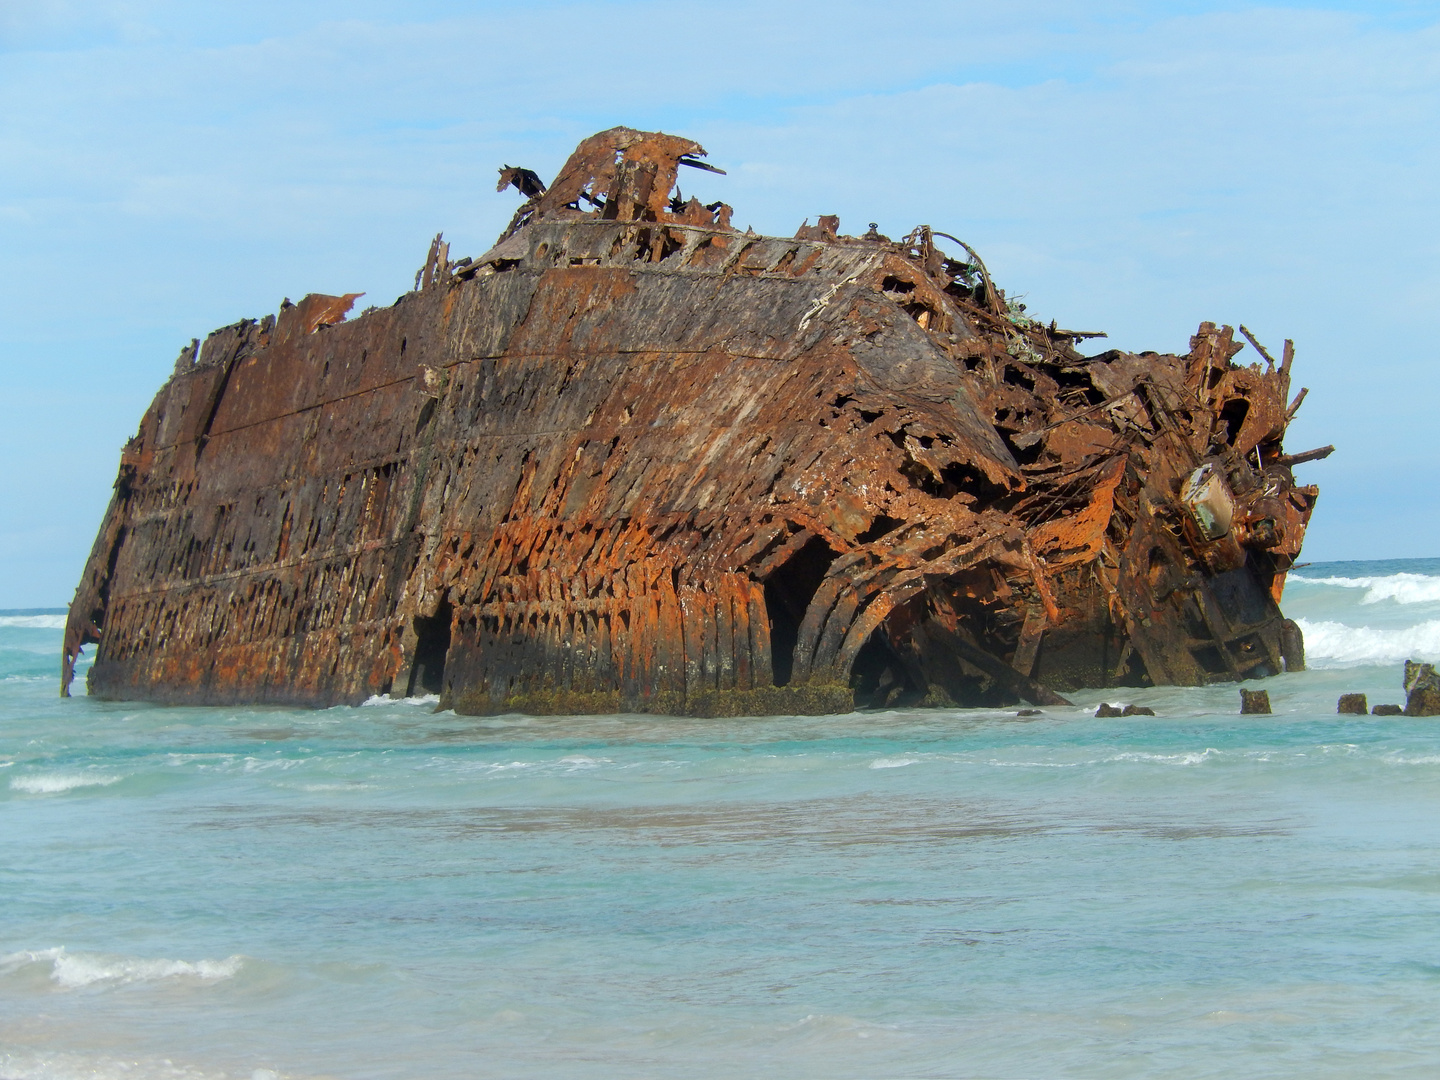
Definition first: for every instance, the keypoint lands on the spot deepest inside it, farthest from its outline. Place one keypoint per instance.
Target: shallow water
(390, 892)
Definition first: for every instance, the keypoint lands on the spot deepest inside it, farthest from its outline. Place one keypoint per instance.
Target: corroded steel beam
(633, 459)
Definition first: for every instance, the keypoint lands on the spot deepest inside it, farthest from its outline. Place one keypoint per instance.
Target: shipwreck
(634, 459)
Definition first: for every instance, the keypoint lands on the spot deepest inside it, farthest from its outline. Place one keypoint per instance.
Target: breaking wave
(54, 783)
(1334, 644)
(72, 971)
(34, 622)
(1400, 588)
(386, 699)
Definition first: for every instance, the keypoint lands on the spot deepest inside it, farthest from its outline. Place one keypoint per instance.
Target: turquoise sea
(387, 892)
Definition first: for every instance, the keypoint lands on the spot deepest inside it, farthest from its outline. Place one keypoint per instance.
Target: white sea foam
(583, 761)
(1192, 757)
(1188, 757)
(386, 699)
(66, 1066)
(254, 765)
(892, 762)
(997, 763)
(1401, 588)
(1334, 644)
(54, 783)
(73, 970)
(34, 622)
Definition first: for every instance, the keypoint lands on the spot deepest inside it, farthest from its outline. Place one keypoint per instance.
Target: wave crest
(72, 971)
(54, 783)
(1333, 644)
(386, 699)
(1401, 588)
(34, 622)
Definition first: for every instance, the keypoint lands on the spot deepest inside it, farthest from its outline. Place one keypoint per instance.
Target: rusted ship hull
(633, 459)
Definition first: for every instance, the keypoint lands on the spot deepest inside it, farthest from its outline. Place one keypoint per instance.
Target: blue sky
(169, 167)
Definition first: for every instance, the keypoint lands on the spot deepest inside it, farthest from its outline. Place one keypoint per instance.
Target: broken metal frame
(634, 459)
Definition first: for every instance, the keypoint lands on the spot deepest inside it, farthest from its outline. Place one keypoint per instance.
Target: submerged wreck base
(634, 460)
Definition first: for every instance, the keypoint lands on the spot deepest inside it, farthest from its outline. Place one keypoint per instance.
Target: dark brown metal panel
(633, 459)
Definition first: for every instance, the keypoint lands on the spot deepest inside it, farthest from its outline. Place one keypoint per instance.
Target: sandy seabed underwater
(390, 892)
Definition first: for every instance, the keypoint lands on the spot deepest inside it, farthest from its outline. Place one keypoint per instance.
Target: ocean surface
(387, 891)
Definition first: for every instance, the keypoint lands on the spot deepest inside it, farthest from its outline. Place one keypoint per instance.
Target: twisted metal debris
(634, 459)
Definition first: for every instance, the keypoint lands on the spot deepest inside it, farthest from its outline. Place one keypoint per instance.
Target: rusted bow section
(633, 459)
